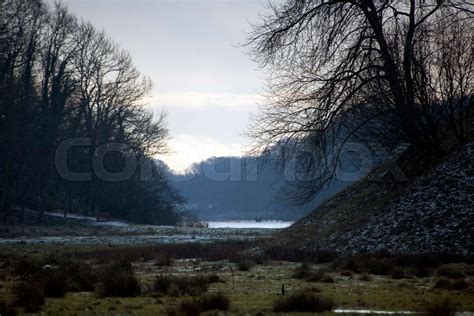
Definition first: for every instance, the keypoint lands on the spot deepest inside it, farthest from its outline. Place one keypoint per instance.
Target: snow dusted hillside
(433, 213)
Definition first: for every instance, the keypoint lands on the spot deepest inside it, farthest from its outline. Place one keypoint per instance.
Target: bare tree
(346, 69)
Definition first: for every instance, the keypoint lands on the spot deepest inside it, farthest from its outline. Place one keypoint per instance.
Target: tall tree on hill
(341, 70)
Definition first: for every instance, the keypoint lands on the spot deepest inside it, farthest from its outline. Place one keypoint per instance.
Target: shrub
(118, 280)
(441, 308)
(320, 276)
(29, 295)
(302, 272)
(378, 266)
(461, 284)
(178, 286)
(209, 302)
(164, 261)
(365, 277)
(244, 265)
(6, 310)
(454, 270)
(215, 301)
(444, 283)
(422, 272)
(82, 276)
(27, 266)
(347, 273)
(303, 302)
(55, 283)
(367, 263)
(399, 273)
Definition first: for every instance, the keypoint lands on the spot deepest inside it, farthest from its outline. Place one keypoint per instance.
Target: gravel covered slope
(434, 213)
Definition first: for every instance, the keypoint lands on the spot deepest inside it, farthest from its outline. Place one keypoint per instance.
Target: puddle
(375, 312)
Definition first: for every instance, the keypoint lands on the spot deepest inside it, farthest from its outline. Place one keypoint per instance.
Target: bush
(82, 276)
(179, 286)
(454, 270)
(320, 276)
(164, 261)
(449, 284)
(461, 284)
(443, 308)
(27, 266)
(365, 277)
(303, 302)
(399, 273)
(29, 295)
(422, 272)
(302, 272)
(444, 283)
(209, 302)
(55, 283)
(244, 265)
(118, 280)
(6, 310)
(377, 266)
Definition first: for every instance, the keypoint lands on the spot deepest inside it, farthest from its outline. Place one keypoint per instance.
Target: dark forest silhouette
(61, 79)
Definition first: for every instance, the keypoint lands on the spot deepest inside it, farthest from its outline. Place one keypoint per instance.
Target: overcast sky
(191, 50)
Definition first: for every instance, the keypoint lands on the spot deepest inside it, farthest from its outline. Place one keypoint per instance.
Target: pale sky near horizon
(191, 49)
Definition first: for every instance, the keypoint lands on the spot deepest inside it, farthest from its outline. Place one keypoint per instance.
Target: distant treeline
(72, 118)
(248, 188)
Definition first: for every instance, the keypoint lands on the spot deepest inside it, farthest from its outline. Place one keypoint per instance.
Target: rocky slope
(433, 213)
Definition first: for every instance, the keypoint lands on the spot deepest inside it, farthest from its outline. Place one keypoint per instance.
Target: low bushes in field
(205, 303)
(455, 270)
(302, 272)
(55, 283)
(244, 265)
(365, 277)
(320, 276)
(183, 285)
(423, 265)
(29, 295)
(451, 284)
(298, 255)
(304, 301)
(25, 267)
(399, 273)
(117, 280)
(218, 251)
(306, 272)
(441, 308)
(66, 276)
(6, 310)
(164, 261)
(82, 277)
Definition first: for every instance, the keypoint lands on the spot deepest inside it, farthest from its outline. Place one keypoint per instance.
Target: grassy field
(251, 285)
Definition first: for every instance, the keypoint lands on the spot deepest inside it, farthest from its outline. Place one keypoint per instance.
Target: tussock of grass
(181, 286)
(441, 308)
(118, 280)
(304, 301)
(209, 302)
(320, 276)
(6, 310)
(245, 265)
(29, 295)
(451, 284)
(302, 272)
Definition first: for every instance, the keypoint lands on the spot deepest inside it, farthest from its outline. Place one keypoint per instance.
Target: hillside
(432, 213)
